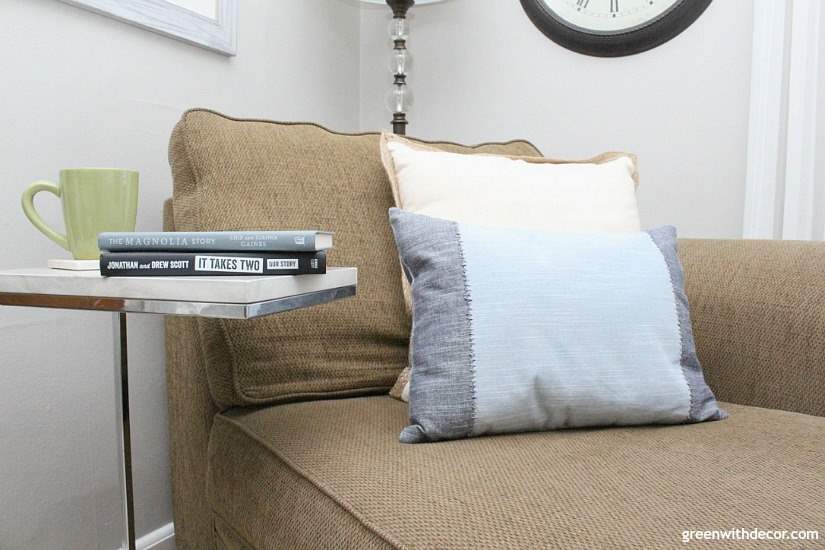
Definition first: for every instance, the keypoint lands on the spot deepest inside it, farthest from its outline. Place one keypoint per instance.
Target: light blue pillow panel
(522, 331)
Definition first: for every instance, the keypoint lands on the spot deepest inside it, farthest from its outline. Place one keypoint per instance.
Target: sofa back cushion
(233, 174)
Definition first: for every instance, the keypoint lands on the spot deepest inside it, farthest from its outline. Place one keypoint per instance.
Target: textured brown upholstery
(331, 474)
(227, 538)
(252, 174)
(758, 310)
(190, 418)
(238, 174)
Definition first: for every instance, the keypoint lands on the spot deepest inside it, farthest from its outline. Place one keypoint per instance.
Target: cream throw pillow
(550, 195)
(528, 192)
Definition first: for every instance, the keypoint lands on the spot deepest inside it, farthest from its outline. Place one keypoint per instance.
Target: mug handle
(28, 209)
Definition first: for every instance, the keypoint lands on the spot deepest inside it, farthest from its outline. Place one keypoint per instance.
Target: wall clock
(612, 28)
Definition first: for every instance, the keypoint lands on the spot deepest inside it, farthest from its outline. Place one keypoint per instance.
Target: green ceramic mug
(94, 200)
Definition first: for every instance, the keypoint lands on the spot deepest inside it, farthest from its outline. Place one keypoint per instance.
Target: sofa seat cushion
(332, 474)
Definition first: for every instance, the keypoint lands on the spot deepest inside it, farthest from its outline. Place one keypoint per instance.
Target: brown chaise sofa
(282, 435)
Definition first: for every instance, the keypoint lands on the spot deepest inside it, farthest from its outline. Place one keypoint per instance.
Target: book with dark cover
(223, 241)
(177, 264)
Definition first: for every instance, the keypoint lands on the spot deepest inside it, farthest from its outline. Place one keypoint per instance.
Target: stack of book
(213, 253)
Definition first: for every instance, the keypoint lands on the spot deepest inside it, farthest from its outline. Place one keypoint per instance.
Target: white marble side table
(218, 297)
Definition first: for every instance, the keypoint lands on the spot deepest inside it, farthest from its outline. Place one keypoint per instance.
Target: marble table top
(227, 290)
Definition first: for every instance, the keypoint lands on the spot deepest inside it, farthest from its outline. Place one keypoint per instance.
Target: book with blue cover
(217, 241)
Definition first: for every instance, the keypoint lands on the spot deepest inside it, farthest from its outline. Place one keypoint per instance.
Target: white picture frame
(170, 18)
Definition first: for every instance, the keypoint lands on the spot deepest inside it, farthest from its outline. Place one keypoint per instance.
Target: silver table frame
(120, 307)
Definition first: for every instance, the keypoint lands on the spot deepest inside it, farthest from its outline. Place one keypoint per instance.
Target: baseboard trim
(156, 538)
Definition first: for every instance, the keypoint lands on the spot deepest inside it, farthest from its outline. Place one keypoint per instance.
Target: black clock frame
(615, 44)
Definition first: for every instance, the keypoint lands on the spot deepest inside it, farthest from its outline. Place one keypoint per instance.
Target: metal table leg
(123, 428)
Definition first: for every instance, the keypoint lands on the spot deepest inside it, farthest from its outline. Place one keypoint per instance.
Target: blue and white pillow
(518, 330)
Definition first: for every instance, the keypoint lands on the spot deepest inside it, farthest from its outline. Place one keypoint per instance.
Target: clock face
(612, 28)
(608, 16)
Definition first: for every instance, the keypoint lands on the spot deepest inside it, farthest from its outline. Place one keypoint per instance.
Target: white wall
(79, 89)
(483, 71)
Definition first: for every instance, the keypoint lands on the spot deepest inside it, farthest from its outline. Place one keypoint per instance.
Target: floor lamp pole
(400, 95)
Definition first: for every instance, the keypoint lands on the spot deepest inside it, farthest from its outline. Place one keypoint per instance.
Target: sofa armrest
(758, 313)
(191, 411)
